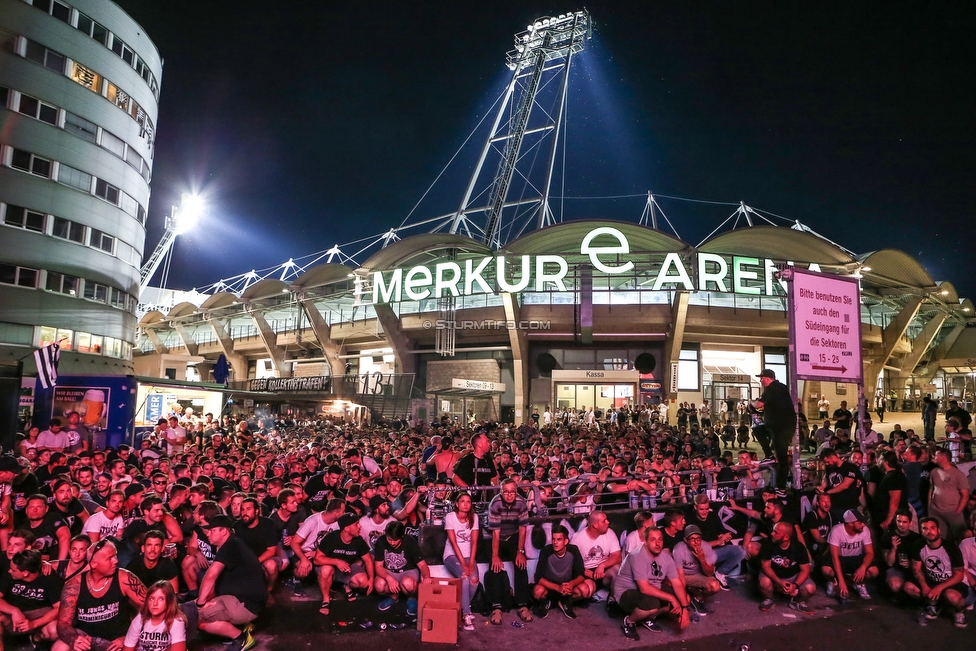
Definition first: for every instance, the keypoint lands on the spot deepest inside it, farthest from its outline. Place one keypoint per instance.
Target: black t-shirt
(397, 559)
(259, 537)
(42, 592)
(70, 515)
(908, 545)
(711, 527)
(850, 497)
(319, 493)
(822, 525)
(242, 576)
(333, 547)
(164, 570)
(785, 562)
(46, 534)
(669, 540)
(474, 471)
(892, 481)
(285, 527)
(842, 418)
(779, 411)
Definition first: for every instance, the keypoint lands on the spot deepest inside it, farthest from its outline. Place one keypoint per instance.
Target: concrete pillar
(520, 357)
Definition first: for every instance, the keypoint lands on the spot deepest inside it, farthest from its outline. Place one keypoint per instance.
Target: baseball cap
(220, 521)
(375, 501)
(347, 519)
(9, 464)
(768, 372)
(134, 489)
(692, 530)
(853, 515)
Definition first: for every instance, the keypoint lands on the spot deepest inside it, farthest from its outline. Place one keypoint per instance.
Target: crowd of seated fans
(195, 530)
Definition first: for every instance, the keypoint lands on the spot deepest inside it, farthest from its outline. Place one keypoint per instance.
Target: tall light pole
(181, 219)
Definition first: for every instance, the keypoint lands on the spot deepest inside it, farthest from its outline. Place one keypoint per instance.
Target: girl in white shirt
(160, 625)
(461, 526)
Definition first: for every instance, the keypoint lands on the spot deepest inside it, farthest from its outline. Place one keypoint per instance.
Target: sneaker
(699, 605)
(723, 581)
(931, 612)
(601, 595)
(387, 603)
(243, 642)
(567, 609)
(411, 607)
(652, 626)
(766, 604)
(959, 619)
(801, 607)
(630, 630)
(831, 589)
(695, 617)
(469, 622)
(862, 591)
(922, 619)
(541, 609)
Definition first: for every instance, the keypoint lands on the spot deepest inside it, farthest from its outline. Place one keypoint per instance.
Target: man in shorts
(343, 557)
(898, 545)
(233, 591)
(649, 585)
(786, 565)
(939, 576)
(400, 567)
(851, 556)
(696, 560)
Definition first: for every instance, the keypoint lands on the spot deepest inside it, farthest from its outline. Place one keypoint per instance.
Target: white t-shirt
(100, 523)
(370, 531)
(313, 530)
(596, 551)
(154, 637)
(968, 549)
(461, 533)
(175, 439)
(633, 542)
(849, 545)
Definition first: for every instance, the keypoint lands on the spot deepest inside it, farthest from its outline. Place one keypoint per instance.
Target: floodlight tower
(540, 63)
(181, 219)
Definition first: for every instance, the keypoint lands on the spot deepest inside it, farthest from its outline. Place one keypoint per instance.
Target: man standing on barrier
(779, 417)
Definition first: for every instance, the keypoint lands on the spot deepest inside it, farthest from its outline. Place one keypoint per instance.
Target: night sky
(308, 125)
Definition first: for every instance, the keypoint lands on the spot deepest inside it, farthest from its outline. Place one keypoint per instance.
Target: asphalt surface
(735, 622)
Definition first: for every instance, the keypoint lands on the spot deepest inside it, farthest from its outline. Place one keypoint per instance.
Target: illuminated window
(688, 370)
(86, 77)
(84, 342)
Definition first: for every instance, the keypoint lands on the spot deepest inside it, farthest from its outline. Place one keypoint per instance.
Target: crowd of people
(112, 549)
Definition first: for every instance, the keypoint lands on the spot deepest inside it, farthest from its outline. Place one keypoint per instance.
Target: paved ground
(736, 621)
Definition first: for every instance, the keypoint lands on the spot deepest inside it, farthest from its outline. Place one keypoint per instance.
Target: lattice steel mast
(543, 55)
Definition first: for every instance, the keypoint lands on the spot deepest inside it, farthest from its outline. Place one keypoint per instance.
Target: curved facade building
(79, 90)
(582, 313)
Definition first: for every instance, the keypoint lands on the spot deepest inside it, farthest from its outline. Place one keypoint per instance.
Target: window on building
(62, 283)
(113, 143)
(43, 5)
(775, 359)
(68, 230)
(61, 11)
(96, 292)
(102, 241)
(86, 77)
(107, 191)
(74, 177)
(20, 217)
(49, 58)
(127, 54)
(128, 204)
(39, 110)
(689, 377)
(28, 162)
(21, 276)
(4, 95)
(80, 127)
(133, 158)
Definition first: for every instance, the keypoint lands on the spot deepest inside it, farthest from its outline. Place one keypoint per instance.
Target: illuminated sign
(539, 273)
(275, 384)
(477, 385)
(825, 327)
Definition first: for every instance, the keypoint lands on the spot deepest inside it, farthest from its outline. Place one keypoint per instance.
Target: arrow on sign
(842, 369)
